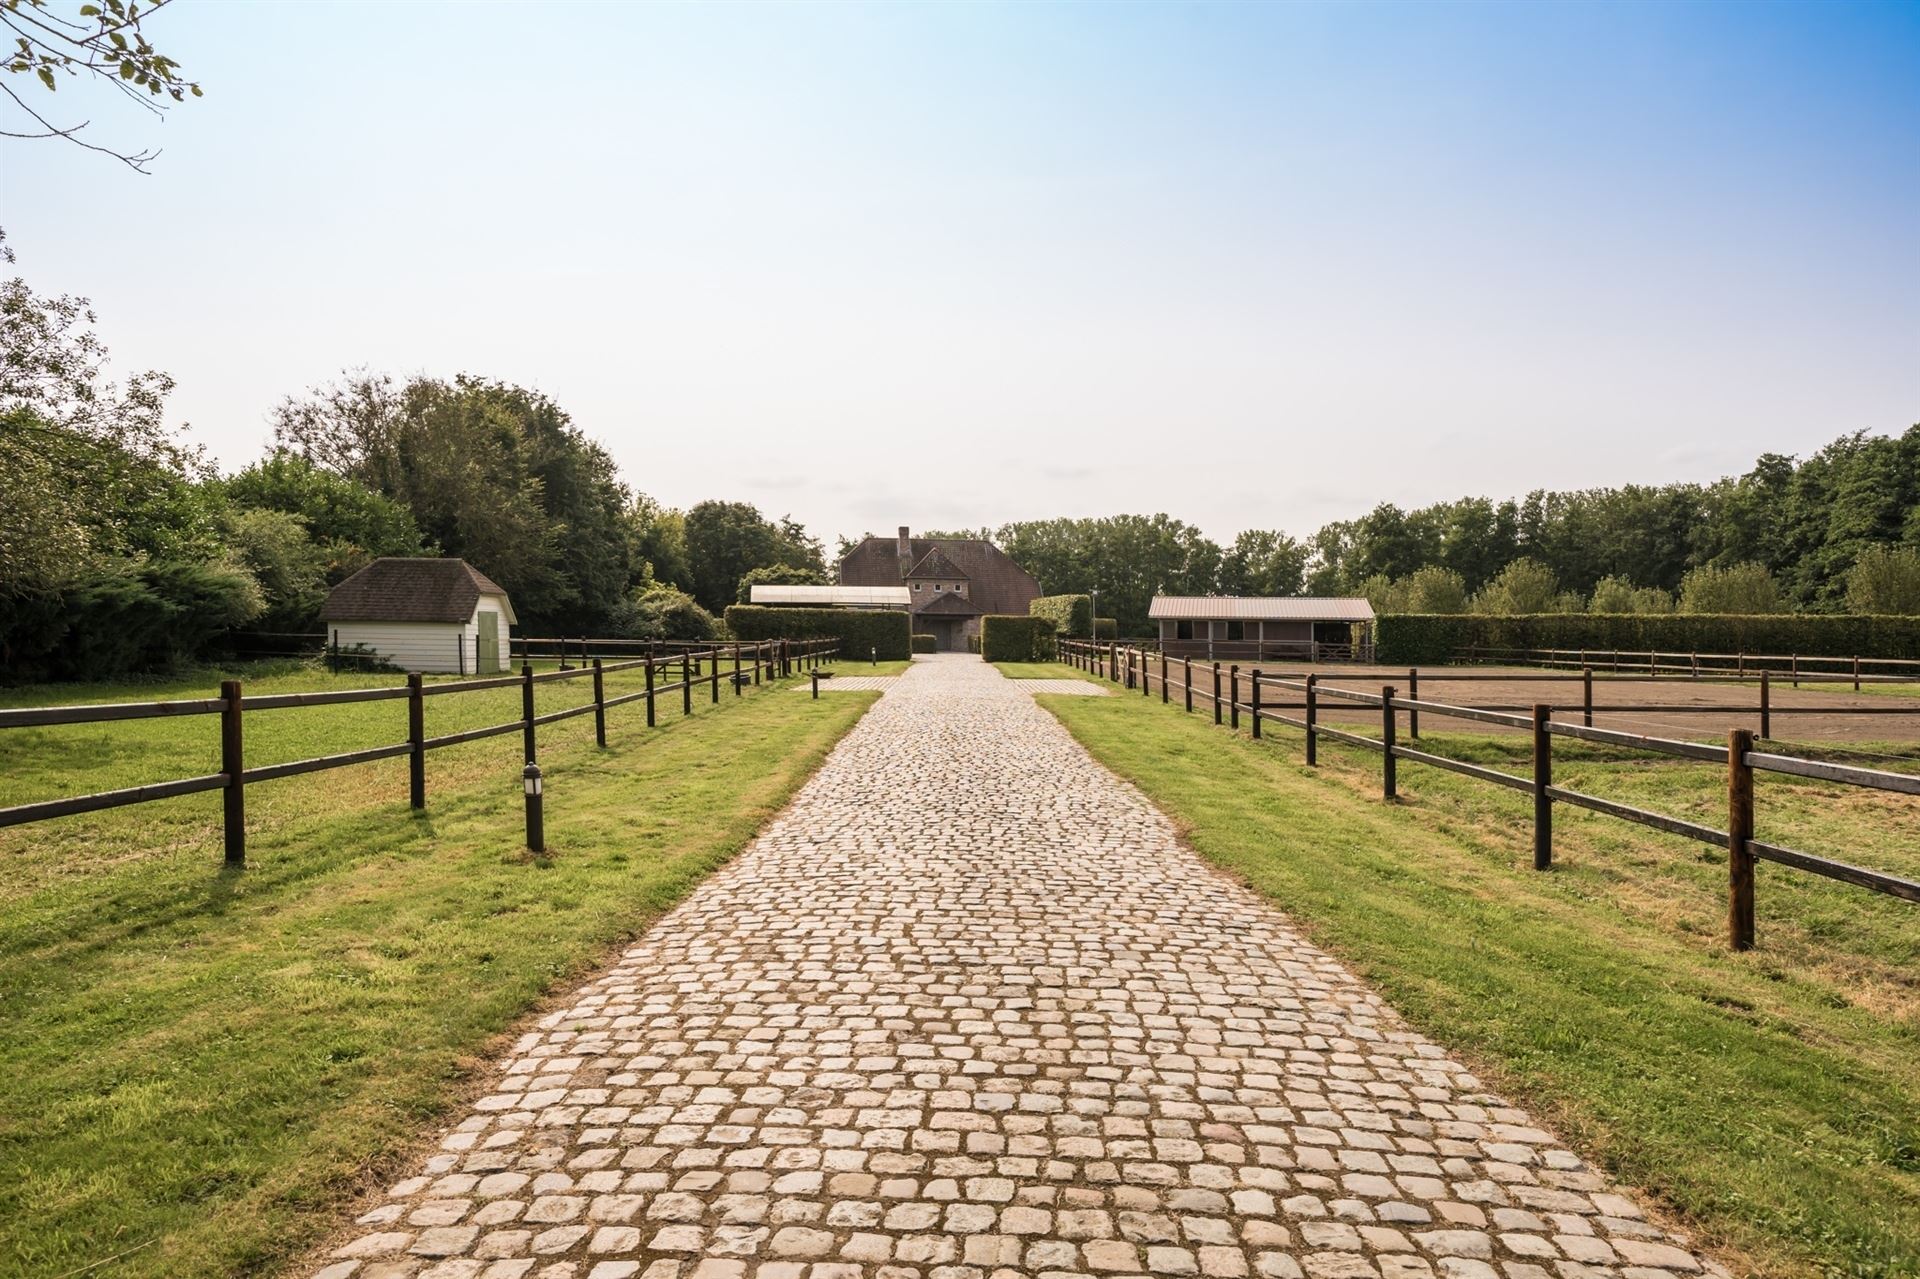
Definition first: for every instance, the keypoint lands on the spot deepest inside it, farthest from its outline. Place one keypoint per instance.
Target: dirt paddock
(1667, 706)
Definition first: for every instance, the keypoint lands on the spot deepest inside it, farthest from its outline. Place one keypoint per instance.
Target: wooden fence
(1138, 668)
(1800, 668)
(739, 665)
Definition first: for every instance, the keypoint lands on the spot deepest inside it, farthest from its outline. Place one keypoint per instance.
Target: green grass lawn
(1041, 670)
(204, 1066)
(1771, 1099)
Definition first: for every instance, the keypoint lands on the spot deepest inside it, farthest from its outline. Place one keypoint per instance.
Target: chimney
(903, 549)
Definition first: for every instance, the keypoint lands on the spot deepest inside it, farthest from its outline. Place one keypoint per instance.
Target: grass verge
(1041, 670)
(202, 1067)
(1772, 1099)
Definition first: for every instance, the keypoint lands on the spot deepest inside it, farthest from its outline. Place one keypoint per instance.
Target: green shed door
(488, 660)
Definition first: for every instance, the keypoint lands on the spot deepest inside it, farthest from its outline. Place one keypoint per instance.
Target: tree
(493, 473)
(1741, 588)
(1263, 562)
(1618, 595)
(1885, 579)
(777, 575)
(103, 41)
(1524, 586)
(1128, 559)
(657, 543)
(727, 540)
(289, 568)
(1432, 589)
(349, 523)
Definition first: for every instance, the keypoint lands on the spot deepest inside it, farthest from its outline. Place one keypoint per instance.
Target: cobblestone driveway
(968, 1010)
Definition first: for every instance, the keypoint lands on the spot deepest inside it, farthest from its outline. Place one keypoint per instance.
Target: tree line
(1836, 531)
(123, 548)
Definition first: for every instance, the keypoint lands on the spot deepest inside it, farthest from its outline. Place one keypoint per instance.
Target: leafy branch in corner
(103, 41)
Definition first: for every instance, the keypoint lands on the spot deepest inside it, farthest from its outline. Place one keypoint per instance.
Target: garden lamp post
(1093, 623)
(536, 819)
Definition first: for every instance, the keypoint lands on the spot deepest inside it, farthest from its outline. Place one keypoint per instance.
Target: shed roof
(405, 589)
(834, 596)
(1275, 608)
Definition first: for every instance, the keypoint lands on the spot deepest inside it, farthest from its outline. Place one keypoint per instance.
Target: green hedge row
(926, 643)
(887, 636)
(1005, 637)
(1072, 615)
(1411, 639)
(1106, 628)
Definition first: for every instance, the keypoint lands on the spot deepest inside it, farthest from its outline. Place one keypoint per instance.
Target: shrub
(926, 643)
(1885, 579)
(1106, 628)
(134, 617)
(1009, 638)
(661, 612)
(887, 635)
(1616, 595)
(1524, 586)
(1743, 588)
(1412, 639)
(1072, 615)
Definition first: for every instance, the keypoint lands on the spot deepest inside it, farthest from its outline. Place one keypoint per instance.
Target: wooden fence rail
(1799, 668)
(769, 658)
(1123, 665)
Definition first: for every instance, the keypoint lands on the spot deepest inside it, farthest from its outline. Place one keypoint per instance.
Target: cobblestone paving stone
(968, 1010)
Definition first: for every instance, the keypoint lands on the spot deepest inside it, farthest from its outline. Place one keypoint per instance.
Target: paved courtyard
(968, 1010)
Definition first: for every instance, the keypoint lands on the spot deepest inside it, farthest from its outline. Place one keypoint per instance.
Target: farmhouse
(951, 582)
(1234, 626)
(423, 615)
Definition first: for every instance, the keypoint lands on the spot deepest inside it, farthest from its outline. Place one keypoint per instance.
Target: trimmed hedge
(1413, 639)
(1106, 628)
(926, 643)
(1072, 615)
(858, 630)
(1005, 637)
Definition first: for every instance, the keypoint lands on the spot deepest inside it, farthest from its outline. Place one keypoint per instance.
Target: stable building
(439, 615)
(951, 582)
(1221, 627)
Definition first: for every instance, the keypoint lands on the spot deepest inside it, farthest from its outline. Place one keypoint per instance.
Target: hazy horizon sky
(953, 265)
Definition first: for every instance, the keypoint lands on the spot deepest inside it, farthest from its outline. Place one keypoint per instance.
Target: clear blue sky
(957, 264)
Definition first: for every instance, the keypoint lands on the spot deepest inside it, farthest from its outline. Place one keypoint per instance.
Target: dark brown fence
(737, 665)
(1133, 668)
(1799, 668)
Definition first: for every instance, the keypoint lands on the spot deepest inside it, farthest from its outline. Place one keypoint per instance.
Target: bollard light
(536, 824)
(873, 655)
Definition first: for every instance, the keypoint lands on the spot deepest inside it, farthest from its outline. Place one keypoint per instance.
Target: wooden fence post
(1856, 674)
(1113, 661)
(1794, 661)
(1586, 696)
(1255, 705)
(1233, 697)
(1313, 718)
(713, 673)
(1216, 692)
(1766, 706)
(650, 714)
(1389, 767)
(1739, 833)
(686, 684)
(759, 661)
(599, 704)
(1163, 677)
(526, 709)
(1146, 674)
(736, 670)
(416, 742)
(1542, 781)
(1186, 679)
(233, 812)
(1413, 695)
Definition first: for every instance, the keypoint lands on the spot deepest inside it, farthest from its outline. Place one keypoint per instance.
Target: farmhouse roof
(995, 584)
(402, 589)
(1266, 608)
(936, 564)
(948, 604)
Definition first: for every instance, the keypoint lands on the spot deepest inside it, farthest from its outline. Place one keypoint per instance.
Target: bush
(1106, 628)
(135, 617)
(1885, 579)
(1005, 637)
(1072, 615)
(926, 643)
(1414, 639)
(1743, 588)
(888, 635)
(661, 612)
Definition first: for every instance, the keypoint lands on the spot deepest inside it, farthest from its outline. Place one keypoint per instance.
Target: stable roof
(1260, 608)
(833, 596)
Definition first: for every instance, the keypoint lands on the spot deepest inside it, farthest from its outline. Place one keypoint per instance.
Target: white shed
(423, 615)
